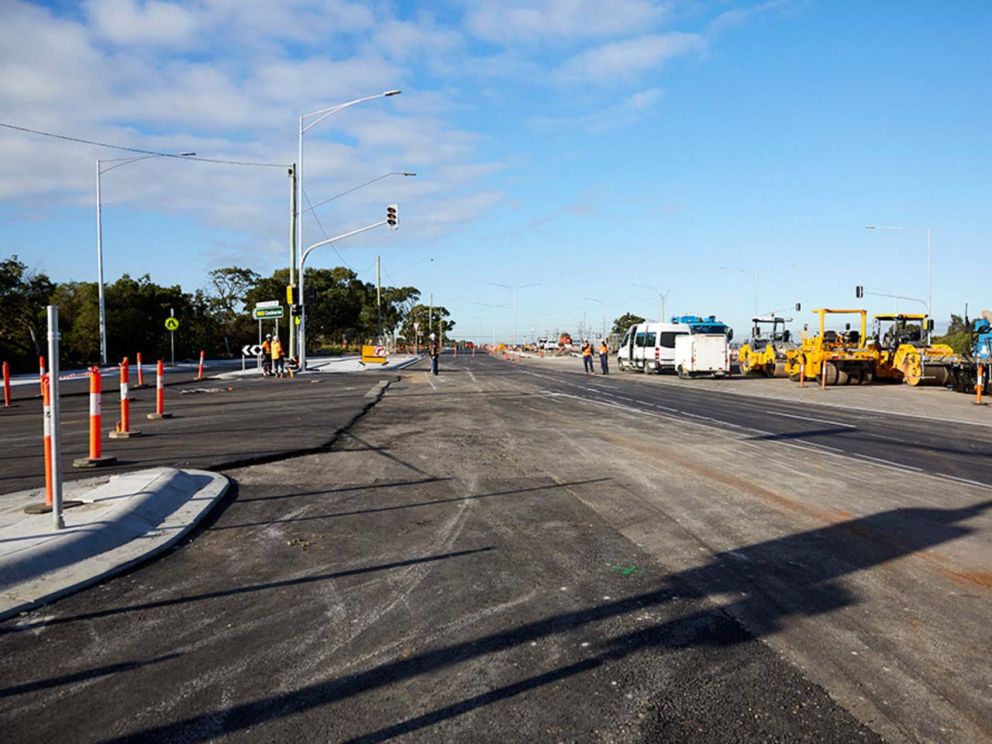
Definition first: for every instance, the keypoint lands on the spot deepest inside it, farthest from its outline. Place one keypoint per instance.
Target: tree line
(341, 313)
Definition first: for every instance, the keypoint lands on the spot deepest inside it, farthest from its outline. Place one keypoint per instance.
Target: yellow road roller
(765, 352)
(905, 353)
(841, 357)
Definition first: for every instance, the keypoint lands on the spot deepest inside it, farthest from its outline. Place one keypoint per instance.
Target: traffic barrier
(978, 385)
(199, 374)
(41, 374)
(159, 394)
(96, 458)
(6, 385)
(141, 371)
(123, 428)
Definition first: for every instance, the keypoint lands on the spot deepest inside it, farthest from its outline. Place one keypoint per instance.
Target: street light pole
(662, 299)
(102, 310)
(929, 233)
(514, 289)
(603, 303)
(756, 274)
(304, 128)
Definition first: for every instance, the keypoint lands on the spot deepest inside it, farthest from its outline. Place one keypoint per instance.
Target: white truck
(705, 349)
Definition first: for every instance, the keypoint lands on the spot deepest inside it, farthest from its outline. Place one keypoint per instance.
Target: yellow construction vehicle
(841, 357)
(765, 353)
(905, 353)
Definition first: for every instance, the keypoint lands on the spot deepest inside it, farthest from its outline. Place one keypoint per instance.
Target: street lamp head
(186, 154)
(392, 92)
(869, 227)
(405, 173)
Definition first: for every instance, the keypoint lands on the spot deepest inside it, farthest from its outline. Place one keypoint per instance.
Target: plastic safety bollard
(141, 371)
(159, 394)
(199, 374)
(6, 385)
(96, 458)
(41, 374)
(46, 409)
(123, 428)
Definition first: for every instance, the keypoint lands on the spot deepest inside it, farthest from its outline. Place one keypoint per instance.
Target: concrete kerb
(124, 520)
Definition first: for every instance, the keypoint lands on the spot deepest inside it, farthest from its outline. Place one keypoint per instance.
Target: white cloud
(537, 20)
(629, 58)
(126, 22)
(630, 110)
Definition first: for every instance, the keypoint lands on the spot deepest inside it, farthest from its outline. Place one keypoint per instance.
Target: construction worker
(604, 356)
(278, 358)
(433, 350)
(267, 355)
(587, 357)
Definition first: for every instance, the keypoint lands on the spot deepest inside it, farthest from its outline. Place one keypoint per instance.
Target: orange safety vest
(604, 349)
(276, 349)
(587, 350)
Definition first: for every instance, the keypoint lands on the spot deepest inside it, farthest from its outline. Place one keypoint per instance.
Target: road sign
(171, 324)
(249, 350)
(267, 303)
(373, 354)
(267, 313)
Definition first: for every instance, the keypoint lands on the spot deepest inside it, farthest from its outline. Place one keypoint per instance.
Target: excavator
(765, 352)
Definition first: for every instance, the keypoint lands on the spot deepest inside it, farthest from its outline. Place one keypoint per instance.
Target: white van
(649, 347)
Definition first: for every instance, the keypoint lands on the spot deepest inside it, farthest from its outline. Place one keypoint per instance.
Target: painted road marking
(810, 418)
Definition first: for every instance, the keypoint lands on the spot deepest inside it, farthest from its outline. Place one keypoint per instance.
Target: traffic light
(798, 306)
(392, 216)
(290, 294)
(295, 310)
(859, 291)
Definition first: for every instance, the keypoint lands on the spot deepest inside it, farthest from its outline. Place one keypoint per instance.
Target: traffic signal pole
(301, 272)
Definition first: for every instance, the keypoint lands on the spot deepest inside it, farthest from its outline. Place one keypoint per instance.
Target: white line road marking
(429, 375)
(810, 418)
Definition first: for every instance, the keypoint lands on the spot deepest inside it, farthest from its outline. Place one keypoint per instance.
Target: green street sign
(267, 313)
(171, 324)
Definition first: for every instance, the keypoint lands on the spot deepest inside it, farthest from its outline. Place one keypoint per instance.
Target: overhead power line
(140, 151)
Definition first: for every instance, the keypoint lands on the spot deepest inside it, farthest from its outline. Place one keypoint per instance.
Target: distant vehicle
(649, 347)
(705, 349)
(547, 344)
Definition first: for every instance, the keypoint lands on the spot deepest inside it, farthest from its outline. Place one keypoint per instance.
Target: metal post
(53, 361)
(301, 328)
(929, 280)
(172, 338)
(430, 316)
(378, 296)
(258, 359)
(293, 217)
(99, 271)
(514, 317)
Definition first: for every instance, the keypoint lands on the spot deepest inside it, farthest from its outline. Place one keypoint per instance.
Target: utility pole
(430, 317)
(378, 296)
(293, 217)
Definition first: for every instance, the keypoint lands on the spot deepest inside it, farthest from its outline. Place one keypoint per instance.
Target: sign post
(171, 324)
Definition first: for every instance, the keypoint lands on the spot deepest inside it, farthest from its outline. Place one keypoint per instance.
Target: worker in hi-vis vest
(587, 357)
(604, 357)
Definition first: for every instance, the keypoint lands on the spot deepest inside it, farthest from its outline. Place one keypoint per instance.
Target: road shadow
(793, 576)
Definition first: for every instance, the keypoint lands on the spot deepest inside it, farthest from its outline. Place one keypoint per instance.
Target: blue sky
(555, 143)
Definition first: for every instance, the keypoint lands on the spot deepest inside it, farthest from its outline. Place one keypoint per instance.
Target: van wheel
(620, 365)
(682, 374)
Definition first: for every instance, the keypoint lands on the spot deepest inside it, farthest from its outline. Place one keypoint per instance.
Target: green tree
(625, 321)
(23, 297)
(420, 314)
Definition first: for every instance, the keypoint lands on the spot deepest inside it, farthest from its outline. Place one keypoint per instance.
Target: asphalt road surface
(506, 553)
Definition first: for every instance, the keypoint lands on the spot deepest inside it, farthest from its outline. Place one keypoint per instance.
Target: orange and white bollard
(41, 375)
(96, 458)
(123, 428)
(159, 394)
(978, 385)
(46, 407)
(141, 371)
(199, 374)
(6, 385)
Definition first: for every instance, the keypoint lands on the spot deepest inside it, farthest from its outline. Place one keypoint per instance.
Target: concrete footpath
(121, 521)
